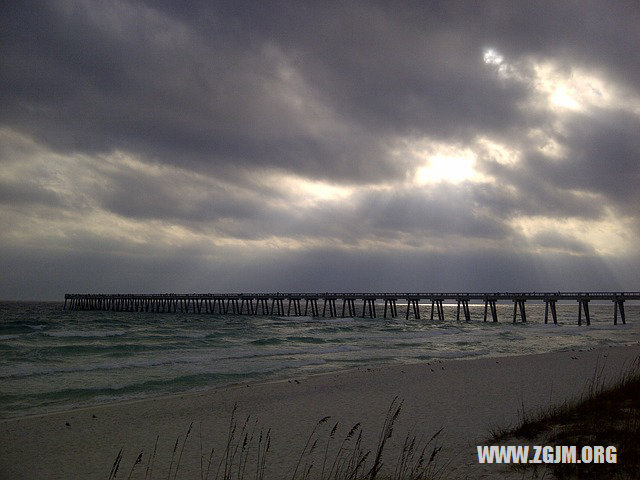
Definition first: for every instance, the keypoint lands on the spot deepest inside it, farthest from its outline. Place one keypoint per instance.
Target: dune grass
(605, 415)
(325, 455)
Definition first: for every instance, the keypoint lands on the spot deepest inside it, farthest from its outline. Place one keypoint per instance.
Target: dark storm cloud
(201, 88)
(216, 118)
(439, 212)
(94, 78)
(605, 159)
(371, 216)
(539, 187)
(185, 200)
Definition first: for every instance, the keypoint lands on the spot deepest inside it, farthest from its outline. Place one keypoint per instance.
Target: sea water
(52, 359)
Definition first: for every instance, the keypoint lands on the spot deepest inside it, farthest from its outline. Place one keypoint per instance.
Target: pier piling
(550, 303)
(465, 310)
(413, 303)
(437, 302)
(618, 304)
(370, 302)
(349, 304)
(583, 304)
(390, 304)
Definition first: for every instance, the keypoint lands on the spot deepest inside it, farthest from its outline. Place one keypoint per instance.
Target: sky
(366, 146)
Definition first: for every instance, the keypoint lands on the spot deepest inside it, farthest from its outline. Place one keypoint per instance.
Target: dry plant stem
(138, 460)
(258, 455)
(245, 449)
(245, 441)
(175, 447)
(149, 471)
(320, 422)
(116, 465)
(385, 434)
(263, 448)
(230, 434)
(209, 464)
(340, 450)
(403, 459)
(201, 456)
(357, 460)
(182, 450)
(326, 450)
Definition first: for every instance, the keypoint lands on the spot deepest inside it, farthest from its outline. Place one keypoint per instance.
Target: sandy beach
(466, 397)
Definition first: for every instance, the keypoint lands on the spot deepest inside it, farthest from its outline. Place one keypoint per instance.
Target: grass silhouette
(247, 448)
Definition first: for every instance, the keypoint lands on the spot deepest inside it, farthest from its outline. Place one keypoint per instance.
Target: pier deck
(304, 304)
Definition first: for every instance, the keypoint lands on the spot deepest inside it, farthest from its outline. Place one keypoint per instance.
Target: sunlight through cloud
(450, 169)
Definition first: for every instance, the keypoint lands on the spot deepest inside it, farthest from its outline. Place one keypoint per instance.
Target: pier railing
(344, 304)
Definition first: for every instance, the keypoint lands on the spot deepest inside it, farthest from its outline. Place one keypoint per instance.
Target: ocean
(53, 360)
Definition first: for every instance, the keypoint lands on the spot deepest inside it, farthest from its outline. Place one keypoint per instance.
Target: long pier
(344, 304)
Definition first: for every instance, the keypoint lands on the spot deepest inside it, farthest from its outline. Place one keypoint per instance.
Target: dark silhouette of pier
(344, 304)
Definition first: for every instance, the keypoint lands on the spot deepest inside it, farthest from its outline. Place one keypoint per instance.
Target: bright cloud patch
(454, 170)
(609, 236)
(563, 87)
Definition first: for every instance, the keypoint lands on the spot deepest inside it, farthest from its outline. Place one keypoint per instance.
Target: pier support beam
(583, 303)
(233, 306)
(618, 304)
(222, 305)
(297, 308)
(348, 304)
(519, 302)
(331, 302)
(413, 304)
(465, 310)
(390, 304)
(550, 303)
(313, 303)
(491, 303)
(277, 306)
(248, 301)
(371, 303)
(437, 302)
(263, 303)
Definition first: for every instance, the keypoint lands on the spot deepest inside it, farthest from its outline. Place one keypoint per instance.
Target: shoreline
(224, 386)
(467, 396)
